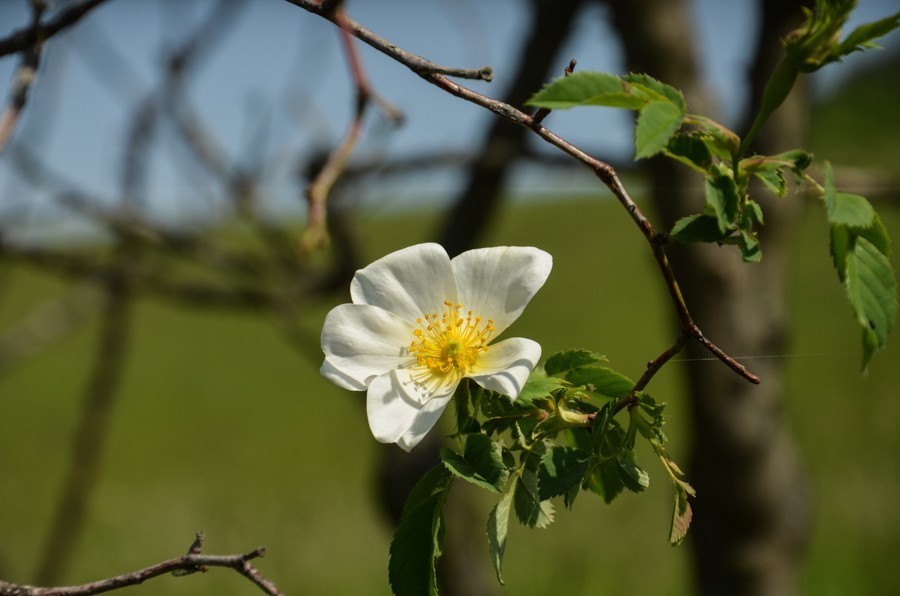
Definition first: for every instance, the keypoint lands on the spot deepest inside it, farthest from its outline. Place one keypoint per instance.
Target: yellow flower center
(451, 342)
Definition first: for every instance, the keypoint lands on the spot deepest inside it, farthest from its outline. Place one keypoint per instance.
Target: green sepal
(418, 540)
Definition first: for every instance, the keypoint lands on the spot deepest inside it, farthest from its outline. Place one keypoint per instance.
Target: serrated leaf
(561, 469)
(602, 380)
(656, 124)
(417, 542)
(464, 405)
(538, 386)
(723, 201)
(530, 509)
(697, 228)
(498, 528)
(749, 245)
(774, 180)
(721, 141)
(481, 462)
(605, 481)
(872, 291)
(589, 88)
(754, 211)
(660, 89)
(861, 38)
(681, 516)
(570, 359)
(633, 476)
(845, 208)
(689, 149)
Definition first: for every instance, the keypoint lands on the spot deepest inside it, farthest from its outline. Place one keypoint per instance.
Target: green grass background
(220, 426)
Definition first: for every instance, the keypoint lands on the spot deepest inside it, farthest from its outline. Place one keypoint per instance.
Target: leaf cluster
(573, 429)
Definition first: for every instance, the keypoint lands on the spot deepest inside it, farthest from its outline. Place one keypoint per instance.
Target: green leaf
(605, 481)
(681, 516)
(633, 477)
(861, 38)
(661, 90)
(872, 291)
(721, 141)
(691, 150)
(419, 536)
(723, 200)
(602, 380)
(851, 210)
(568, 360)
(749, 245)
(697, 228)
(589, 88)
(498, 528)
(539, 385)
(561, 469)
(656, 124)
(797, 159)
(530, 509)
(481, 462)
(754, 211)
(845, 208)
(773, 179)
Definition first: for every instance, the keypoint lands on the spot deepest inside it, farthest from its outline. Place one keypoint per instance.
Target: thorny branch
(437, 75)
(192, 562)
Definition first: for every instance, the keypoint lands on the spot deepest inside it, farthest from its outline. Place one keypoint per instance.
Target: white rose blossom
(420, 322)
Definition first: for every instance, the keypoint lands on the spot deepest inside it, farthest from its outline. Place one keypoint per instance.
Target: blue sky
(284, 69)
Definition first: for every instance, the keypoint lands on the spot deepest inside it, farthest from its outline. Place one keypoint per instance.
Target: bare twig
(605, 172)
(24, 78)
(194, 561)
(25, 37)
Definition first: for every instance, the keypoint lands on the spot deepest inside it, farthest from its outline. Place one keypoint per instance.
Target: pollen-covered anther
(451, 344)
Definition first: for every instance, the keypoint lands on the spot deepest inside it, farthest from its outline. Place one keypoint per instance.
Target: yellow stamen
(451, 344)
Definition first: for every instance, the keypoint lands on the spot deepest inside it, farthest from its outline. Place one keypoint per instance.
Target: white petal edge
(361, 342)
(497, 283)
(408, 282)
(397, 413)
(506, 365)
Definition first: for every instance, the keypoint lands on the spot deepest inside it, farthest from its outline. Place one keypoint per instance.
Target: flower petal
(361, 342)
(408, 282)
(497, 283)
(505, 367)
(398, 412)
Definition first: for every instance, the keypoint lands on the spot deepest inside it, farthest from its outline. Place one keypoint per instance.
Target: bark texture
(752, 513)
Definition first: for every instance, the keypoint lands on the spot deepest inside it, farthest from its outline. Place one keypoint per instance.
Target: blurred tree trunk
(752, 512)
(463, 566)
(476, 206)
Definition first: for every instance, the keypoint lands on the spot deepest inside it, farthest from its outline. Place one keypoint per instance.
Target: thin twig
(27, 36)
(194, 561)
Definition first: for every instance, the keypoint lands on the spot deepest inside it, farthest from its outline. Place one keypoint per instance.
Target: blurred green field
(220, 426)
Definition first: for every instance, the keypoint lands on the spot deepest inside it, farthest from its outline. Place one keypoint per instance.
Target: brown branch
(605, 172)
(316, 234)
(194, 561)
(25, 37)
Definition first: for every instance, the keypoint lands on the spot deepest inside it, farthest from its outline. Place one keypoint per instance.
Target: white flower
(420, 322)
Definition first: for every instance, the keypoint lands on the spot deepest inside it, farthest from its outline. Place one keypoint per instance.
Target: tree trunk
(752, 512)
